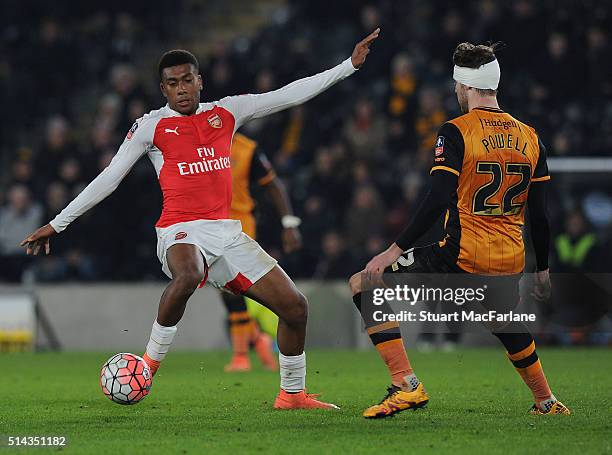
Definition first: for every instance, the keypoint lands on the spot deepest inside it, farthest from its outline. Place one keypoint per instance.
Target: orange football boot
(153, 364)
(300, 400)
(556, 408)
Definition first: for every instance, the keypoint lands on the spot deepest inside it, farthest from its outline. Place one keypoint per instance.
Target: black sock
(515, 343)
(388, 331)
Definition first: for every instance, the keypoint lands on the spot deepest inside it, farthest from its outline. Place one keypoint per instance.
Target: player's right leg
(188, 269)
(406, 391)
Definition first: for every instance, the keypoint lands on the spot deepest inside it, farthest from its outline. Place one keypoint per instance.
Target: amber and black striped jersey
(496, 158)
(248, 165)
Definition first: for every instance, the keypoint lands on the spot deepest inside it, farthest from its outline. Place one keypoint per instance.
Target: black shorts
(425, 259)
(425, 266)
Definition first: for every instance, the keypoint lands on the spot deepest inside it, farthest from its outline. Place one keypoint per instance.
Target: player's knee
(298, 309)
(189, 280)
(355, 283)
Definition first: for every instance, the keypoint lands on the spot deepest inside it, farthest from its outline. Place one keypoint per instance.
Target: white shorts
(235, 261)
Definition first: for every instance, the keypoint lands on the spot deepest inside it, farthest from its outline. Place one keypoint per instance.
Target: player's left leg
(276, 291)
(503, 296)
(522, 353)
(245, 268)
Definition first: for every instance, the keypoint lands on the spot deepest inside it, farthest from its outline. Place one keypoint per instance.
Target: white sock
(160, 341)
(412, 382)
(547, 404)
(292, 372)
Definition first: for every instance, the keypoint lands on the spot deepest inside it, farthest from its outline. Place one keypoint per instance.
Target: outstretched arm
(134, 146)
(247, 107)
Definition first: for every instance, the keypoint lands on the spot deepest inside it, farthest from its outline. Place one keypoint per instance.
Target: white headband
(485, 77)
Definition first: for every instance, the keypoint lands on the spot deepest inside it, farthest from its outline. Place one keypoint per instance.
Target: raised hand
(39, 238)
(362, 49)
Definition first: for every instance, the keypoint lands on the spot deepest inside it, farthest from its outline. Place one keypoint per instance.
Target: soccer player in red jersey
(188, 143)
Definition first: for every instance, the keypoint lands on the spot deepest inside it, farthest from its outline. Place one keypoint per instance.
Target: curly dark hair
(176, 57)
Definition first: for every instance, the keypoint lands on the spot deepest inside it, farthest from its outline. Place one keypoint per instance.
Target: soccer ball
(125, 378)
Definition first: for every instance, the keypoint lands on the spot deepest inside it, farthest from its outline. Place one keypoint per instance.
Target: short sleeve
(540, 174)
(262, 171)
(448, 150)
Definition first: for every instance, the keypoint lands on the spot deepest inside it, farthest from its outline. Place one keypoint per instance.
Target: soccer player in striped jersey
(486, 167)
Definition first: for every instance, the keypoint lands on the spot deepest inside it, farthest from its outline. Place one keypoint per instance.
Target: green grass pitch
(478, 405)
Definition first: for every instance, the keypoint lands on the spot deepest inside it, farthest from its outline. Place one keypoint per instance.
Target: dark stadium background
(75, 75)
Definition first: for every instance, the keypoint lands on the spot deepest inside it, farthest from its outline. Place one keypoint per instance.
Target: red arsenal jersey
(196, 178)
(191, 154)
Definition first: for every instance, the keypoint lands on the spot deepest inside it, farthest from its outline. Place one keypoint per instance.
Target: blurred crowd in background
(74, 78)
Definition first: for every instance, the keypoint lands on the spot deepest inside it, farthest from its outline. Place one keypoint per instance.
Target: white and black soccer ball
(125, 378)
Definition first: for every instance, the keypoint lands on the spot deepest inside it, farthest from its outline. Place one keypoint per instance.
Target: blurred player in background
(487, 166)
(251, 166)
(189, 143)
